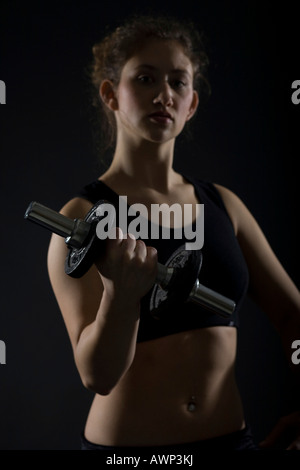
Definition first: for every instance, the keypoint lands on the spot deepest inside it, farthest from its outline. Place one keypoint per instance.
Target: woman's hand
(128, 266)
(285, 435)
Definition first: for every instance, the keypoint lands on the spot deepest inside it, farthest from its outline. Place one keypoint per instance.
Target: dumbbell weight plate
(79, 260)
(187, 264)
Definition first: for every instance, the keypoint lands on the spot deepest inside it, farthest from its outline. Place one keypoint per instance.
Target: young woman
(169, 381)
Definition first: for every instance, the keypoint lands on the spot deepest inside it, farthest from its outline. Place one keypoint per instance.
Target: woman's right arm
(101, 309)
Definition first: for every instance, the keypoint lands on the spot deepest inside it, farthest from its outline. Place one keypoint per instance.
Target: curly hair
(113, 51)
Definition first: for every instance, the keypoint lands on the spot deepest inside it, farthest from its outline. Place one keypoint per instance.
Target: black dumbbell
(176, 281)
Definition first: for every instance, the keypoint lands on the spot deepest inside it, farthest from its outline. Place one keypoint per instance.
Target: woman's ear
(108, 95)
(194, 106)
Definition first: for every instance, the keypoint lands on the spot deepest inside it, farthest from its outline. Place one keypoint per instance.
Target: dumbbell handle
(76, 231)
(212, 300)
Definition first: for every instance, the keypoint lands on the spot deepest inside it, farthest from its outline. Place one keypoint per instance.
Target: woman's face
(155, 95)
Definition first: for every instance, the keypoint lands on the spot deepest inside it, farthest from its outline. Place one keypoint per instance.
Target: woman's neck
(147, 165)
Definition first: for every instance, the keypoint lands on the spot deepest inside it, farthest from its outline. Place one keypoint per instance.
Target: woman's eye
(178, 84)
(145, 79)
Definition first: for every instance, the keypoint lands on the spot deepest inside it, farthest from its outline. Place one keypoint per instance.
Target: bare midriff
(180, 388)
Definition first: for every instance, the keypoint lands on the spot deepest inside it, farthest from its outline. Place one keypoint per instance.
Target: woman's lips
(161, 117)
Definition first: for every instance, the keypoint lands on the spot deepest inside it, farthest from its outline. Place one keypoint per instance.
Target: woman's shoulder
(235, 207)
(77, 207)
(227, 194)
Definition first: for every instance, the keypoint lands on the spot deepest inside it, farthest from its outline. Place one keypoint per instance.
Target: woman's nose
(164, 95)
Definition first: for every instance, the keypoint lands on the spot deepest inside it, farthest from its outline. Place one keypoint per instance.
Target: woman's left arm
(269, 284)
(271, 288)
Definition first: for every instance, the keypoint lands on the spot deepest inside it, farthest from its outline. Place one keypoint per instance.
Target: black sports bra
(223, 266)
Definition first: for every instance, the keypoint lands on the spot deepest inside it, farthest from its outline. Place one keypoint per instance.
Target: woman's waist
(162, 420)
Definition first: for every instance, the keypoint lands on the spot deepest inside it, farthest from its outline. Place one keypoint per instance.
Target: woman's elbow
(101, 387)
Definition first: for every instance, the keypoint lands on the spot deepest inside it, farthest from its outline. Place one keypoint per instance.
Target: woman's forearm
(106, 347)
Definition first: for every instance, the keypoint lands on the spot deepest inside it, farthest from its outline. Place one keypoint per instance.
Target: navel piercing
(192, 404)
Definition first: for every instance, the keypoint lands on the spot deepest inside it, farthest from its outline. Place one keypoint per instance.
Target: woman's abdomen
(180, 388)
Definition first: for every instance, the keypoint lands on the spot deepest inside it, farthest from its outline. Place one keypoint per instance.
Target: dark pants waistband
(238, 440)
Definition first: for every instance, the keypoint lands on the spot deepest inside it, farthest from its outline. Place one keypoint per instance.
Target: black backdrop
(245, 139)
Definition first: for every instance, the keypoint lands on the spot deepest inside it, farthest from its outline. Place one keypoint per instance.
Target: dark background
(246, 139)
